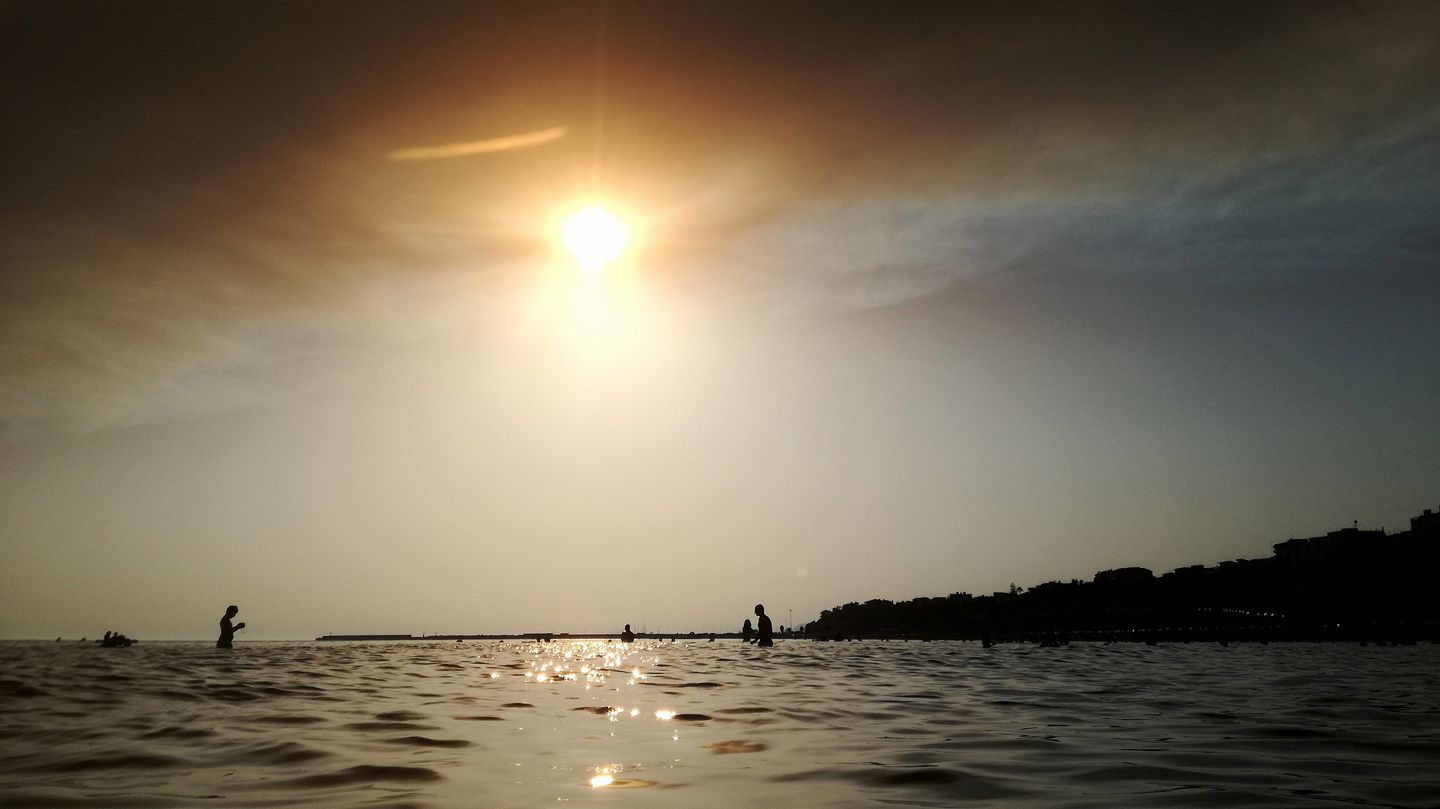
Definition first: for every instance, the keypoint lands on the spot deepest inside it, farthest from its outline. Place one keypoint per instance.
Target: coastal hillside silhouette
(1350, 584)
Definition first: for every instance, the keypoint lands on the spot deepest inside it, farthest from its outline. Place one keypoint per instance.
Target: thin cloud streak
(474, 147)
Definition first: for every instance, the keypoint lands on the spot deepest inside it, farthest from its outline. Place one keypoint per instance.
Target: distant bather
(113, 639)
(227, 631)
(764, 638)
(746, 631)
(627, 635)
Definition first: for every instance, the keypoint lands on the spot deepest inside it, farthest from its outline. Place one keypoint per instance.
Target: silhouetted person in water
(113, 639)
(764, 637)
(746, 631)
(627, 636)
(227, 631)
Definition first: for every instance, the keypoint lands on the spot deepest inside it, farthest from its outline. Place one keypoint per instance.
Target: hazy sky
(924, 299)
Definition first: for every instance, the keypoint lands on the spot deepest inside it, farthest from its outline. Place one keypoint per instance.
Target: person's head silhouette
(759, 609)
(231, 611)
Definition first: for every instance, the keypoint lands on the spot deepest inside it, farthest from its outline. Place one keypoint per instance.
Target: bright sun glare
(594, 236)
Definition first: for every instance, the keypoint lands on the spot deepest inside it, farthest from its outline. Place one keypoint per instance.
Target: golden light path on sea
(591, 665)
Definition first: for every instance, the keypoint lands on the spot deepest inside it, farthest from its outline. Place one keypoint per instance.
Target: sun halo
(594, 236)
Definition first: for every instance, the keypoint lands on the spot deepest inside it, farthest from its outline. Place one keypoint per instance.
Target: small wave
(629, 783)
(57, 799)
(367, 774)
(388, 726)
(281, 753)
(1281, 732)
(517, 705)
(1114, 774)
(481, 718)
(286, 719)
(426, 741)
(231, 694)
(399, 716)
(917, 776)
(178, 732)
(116, 761)
(735, 746)
(15, 688)
(812, 775)
(952, 784)
(177, 695)
(691, 717)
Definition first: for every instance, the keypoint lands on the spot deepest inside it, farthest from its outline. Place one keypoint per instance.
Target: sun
(594, 236)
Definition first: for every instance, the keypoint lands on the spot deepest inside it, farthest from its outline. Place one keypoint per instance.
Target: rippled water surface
(718, 724)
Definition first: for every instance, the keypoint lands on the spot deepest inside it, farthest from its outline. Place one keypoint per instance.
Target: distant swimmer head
(232, 610)
(627, 627)
(759, 609)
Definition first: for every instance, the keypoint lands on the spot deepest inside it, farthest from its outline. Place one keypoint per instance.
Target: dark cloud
(105, 99)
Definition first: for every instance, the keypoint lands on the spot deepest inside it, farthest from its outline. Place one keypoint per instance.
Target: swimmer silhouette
(627, 635)
(227, 632)
(113, 639)
(764, 638)
(746, 631)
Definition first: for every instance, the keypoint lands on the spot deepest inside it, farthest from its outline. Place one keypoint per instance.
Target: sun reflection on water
(607, 776)
(606, 666)
(590, 663)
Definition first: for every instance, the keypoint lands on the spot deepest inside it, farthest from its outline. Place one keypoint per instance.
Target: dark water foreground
(718, 725)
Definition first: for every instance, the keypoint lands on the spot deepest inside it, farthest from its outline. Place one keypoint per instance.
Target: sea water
(718, 724)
